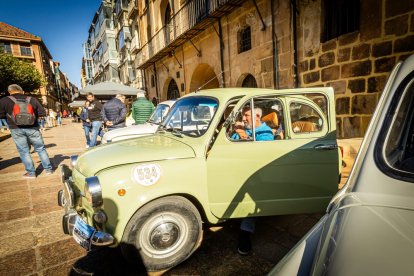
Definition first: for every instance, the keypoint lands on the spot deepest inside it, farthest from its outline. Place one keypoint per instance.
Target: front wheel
(163, 233)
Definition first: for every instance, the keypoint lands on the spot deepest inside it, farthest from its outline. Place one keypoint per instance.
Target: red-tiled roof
(8, 30)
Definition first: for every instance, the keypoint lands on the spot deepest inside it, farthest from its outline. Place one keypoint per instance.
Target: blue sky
(62, 25)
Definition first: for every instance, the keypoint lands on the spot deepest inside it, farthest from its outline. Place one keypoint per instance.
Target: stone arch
(171, 90)
(247, 80)
(204, 76)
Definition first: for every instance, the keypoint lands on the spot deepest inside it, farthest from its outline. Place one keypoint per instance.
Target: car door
(296, 174)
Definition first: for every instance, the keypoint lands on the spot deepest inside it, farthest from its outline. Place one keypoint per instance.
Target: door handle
(326, 147)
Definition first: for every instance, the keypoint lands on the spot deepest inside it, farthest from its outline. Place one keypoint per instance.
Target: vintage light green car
(206, 163)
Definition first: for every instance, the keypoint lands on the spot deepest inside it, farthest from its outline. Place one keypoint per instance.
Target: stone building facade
(179, 46)
(358, 63)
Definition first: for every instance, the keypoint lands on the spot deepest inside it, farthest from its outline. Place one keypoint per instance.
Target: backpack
(23, 112)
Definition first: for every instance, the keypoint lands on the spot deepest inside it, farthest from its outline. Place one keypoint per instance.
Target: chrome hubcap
(163, 235)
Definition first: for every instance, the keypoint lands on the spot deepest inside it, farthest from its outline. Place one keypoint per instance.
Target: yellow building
(29, 47)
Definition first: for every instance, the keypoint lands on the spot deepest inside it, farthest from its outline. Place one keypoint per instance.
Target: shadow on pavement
(106, 261)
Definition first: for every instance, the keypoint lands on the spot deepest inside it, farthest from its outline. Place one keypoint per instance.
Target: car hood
(129, 132)
(142, 149)
(368, 235)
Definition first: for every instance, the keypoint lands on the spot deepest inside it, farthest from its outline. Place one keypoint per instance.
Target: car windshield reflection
(191, 116)
(159, 114)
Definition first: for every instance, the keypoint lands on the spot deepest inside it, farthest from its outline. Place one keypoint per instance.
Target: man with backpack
(22, 112)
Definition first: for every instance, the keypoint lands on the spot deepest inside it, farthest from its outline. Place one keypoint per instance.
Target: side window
(398, 150)
(260, 119)
(304, 118)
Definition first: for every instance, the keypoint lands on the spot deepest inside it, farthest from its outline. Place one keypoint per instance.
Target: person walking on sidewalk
(94, 117)
(85, 124)
(22, 113)
(114, 112)
(141, 109)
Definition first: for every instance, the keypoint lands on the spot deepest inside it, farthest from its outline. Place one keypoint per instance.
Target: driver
(243, 130)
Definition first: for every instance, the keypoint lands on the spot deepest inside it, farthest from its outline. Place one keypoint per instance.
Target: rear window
(395, 150)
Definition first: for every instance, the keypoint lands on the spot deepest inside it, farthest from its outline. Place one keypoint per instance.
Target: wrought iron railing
(191, 14)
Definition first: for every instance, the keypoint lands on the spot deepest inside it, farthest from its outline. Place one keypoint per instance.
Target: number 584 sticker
(146, 174)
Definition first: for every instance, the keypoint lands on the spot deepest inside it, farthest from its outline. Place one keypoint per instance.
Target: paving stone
(15, 214)
(54, 253)
(15, 227)
(13, 244)
(20, 263)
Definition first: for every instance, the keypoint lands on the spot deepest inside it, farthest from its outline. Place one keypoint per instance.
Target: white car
(140, 130)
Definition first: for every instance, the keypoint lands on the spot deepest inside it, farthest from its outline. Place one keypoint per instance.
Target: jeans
(22, 137)
(3, 122)
(41, 122)
(87, 129)
(248, 224)
(59, 120)
(96, 127)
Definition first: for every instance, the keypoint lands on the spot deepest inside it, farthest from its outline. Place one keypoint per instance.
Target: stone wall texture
(356, 64)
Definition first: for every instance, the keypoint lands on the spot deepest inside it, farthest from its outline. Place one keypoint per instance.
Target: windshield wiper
(173, 130)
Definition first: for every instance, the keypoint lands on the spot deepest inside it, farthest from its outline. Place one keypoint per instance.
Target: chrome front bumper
(66, 199)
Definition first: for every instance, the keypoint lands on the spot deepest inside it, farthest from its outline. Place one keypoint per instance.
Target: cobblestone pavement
(32, 241)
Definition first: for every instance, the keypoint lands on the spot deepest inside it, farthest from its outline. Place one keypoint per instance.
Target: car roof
(169, 102)
(227, 93)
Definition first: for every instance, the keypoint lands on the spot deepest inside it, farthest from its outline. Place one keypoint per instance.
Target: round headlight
(93, 191)
(73, 160)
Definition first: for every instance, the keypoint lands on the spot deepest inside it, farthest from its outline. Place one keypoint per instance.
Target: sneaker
(87, 146)
(245, 245)
(49, 172)
(29, 176)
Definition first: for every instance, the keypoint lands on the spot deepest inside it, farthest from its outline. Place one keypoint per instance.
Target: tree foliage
(23, 73)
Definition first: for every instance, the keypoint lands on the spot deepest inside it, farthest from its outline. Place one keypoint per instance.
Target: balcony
(135, 45)
(132, 9)
(188, 22)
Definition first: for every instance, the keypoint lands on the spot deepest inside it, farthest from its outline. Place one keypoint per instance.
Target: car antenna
(210, 80)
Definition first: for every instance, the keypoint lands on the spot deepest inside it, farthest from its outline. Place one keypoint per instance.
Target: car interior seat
(272, 121)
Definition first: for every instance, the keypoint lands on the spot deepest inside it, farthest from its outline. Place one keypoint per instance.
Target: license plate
(82, 233)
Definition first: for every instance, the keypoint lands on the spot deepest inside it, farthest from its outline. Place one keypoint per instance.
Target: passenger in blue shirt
(244, 130)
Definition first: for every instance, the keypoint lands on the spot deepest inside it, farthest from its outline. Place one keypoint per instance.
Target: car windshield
(191, 116)
(159, 114)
